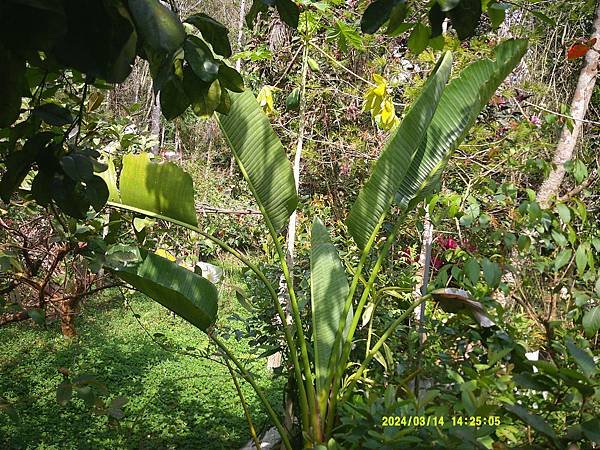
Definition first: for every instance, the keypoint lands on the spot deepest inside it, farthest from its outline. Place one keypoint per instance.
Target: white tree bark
(238, 63)
(550, 188)
(155, 127)
(275, 359)
(422, 277)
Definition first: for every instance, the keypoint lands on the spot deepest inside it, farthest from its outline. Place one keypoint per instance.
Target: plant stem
(81, 105)
(288, 335)
(246, 375)
(379, 343)
(347, 346)
(244, 405)
(304, 406)
(310, 389)
(365, 295)
(307, 391)
(333, 359)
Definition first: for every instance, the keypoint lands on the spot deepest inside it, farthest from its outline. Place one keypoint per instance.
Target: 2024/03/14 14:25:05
(425, 421)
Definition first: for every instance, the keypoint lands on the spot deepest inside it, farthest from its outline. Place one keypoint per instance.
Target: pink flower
(447, 243)
(535, 120)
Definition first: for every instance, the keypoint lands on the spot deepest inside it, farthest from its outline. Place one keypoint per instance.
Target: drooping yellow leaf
(165, 254)
(379, 102)
(387, 117)
(265, 99)
(381, 88)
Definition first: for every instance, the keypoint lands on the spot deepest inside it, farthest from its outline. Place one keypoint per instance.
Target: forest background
(88, 362)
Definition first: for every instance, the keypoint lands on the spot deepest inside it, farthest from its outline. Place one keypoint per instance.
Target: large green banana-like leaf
(462, 101)
(163, 190)
(166, 192)
(376, 197)
(329, 289)
(261, 158)
(110, 178)
(178, 289)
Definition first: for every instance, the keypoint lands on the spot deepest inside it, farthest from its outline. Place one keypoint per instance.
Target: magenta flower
(447, 243)
(535, 120)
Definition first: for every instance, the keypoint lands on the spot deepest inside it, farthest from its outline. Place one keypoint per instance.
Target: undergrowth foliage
(504, 352)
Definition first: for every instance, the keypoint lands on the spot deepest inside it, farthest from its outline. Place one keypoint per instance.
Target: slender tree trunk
(275, 360)
(291, 237)
(177, 142)
(422, 277)
(155, 121)
(70, 307)
(68, 310)
(566, 145)
(421, 288)
(238, 65)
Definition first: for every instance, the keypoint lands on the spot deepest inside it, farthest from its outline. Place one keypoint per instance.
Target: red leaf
(577, 51)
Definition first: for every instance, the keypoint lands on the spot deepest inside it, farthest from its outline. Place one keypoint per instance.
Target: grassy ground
(174, 401)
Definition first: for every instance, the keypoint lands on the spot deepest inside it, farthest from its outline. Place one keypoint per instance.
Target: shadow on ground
(173, 401)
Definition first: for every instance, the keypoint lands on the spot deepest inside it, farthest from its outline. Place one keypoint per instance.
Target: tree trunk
(238, 63)
(291, 235)
(155, 121)
(579, 105)
(422, 279)
(68, 310)
(69, 307)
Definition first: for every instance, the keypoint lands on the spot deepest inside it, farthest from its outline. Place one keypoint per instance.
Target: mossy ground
(174, 401)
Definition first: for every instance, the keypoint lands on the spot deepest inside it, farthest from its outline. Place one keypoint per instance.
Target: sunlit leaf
(182, 291)
(377, 195)
(329, 289)
(591, 321)
(163, 191)
(459, 107)
(261, 158)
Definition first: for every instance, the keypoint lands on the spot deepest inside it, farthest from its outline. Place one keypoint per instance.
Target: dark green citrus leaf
(230, 78)
(436, 18)
(418, 39)
(376, 14)
(397, 17)
(288, 11)
(11, 79)
(200, 59)
(102, 48)
(535, 421)
(213, 32)
(258, 6)
(159, 27)
(465, 17)
(173, 98)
